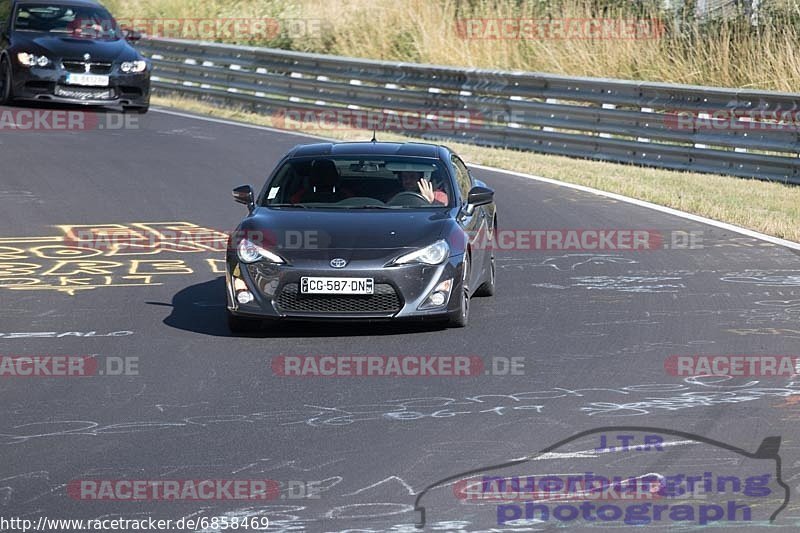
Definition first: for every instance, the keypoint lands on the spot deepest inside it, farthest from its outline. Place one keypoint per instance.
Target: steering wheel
(407, 194)
(360, 201)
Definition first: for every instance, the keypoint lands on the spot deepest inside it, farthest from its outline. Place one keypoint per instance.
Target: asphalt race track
(594, 329)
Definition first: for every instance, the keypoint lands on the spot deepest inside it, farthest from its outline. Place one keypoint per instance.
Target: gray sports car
(366, 231)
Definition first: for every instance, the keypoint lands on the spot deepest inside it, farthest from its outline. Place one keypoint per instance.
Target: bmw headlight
(434, 254)
(249, 252)
(133, 67)
(32, 60)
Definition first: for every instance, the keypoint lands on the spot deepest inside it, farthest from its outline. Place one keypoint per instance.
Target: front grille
(384, 301)
(85, 93)
(79, 67)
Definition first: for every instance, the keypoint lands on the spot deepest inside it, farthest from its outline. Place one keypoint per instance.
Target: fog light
(439, 295)
(438, 298)
(244, 297)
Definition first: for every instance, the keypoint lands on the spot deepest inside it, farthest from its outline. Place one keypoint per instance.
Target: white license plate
(87, 80)
(337, 286)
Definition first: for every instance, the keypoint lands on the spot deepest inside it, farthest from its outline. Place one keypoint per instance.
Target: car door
(475, 224)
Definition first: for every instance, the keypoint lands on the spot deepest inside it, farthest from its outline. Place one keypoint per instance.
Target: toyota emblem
(338, 262)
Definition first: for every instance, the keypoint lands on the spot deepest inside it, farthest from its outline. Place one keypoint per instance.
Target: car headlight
(249, 252)
(434, 254)
(133, 67)
(32, 60)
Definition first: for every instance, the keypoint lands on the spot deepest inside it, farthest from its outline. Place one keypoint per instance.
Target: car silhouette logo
(338, 262)
(464, 484)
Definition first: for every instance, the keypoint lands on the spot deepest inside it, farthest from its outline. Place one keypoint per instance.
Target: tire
(6, 91)
(461, 317)
(138, 109)
(239, 324)
(488, 287)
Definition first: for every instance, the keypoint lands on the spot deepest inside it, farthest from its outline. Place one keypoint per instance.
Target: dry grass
(728, 54)
(771, 208)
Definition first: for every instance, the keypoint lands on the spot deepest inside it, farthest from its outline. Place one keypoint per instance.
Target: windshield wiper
(301, 206)
(374, 207)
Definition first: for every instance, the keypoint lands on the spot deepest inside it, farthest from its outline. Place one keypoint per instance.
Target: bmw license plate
(337, 286)
(87, 80)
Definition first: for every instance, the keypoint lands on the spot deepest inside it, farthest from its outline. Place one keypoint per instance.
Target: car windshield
(87, 22)
(359, 183)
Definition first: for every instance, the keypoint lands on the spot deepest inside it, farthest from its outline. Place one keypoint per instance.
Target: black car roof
(368, 148)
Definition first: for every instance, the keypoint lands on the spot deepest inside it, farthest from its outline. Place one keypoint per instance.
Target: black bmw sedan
(365, 231)
(70, 51)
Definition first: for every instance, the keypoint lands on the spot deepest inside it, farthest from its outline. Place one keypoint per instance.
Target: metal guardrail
(678, 127)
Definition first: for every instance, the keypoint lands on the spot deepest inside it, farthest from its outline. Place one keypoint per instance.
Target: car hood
(297, 233)
(62, 46)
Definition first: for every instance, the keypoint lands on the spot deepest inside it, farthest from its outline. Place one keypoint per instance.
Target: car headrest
(324, 174)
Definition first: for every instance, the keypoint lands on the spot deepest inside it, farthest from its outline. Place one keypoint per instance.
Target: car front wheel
(6, 92)
(460, 318)
(488, 287)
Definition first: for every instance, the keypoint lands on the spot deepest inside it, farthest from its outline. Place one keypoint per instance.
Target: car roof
(411, 149)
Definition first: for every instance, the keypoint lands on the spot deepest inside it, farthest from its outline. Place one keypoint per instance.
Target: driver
(89, 27)
(414, 181)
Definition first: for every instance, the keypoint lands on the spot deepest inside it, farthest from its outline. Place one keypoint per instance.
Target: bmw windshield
(85, 22)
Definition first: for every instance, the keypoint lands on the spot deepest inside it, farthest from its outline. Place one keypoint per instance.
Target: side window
(463, 178)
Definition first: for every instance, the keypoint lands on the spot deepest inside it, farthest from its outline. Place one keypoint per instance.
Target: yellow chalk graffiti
(88, 257)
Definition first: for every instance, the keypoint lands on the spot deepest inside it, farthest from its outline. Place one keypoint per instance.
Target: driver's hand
(426, 189)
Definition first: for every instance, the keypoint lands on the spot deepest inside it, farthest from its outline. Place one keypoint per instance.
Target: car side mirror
(243, 194)
(132, 35)
(478, 196)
